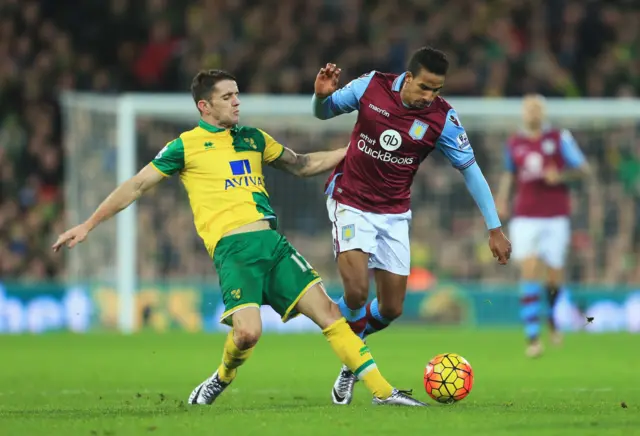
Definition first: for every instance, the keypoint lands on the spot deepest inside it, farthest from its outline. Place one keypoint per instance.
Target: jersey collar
(397, 84)
(209, 128)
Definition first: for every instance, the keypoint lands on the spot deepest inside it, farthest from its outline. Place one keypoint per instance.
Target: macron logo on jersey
(380, 111)
(241, 170)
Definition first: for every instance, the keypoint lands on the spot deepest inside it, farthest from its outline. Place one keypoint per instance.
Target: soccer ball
(448, 378)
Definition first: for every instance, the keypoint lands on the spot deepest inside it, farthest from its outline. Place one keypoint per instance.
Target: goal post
(107, 139)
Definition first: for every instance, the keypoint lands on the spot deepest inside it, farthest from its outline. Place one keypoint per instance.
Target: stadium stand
(277, 47)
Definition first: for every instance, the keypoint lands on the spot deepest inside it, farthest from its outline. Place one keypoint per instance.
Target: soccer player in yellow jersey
(220, 164)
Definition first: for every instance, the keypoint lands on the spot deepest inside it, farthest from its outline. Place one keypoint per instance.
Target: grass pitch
(103, 384)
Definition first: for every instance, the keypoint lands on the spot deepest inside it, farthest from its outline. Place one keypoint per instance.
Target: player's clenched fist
(72, 237)
(327, 80)
(500, 246)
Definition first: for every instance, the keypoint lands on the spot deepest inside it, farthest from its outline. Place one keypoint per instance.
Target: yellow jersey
(221, 171)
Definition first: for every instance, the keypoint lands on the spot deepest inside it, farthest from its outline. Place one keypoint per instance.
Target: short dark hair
(430, 59)
(204, 82)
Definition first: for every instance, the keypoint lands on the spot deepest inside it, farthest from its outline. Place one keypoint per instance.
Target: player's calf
(354, 270)
(531, 290)
(238, 347)
(378, 317)
(356, 318)
(348, 347)
(530, 295)
(392, 289)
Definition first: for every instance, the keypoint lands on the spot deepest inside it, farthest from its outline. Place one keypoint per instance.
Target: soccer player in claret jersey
(540, 159)
(401, 119)
(220, 164)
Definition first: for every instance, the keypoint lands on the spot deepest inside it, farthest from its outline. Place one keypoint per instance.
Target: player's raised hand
(72, 237)
(327, 80)
(500, 246)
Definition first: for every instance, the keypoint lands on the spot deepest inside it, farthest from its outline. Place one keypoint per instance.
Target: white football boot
(399, 398)
(207, 391)
(342, 391)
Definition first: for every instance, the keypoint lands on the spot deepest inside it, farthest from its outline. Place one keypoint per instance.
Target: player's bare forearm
(311, 164)
(575, 174)
(125, 194)
(504, 187)
(119, 199)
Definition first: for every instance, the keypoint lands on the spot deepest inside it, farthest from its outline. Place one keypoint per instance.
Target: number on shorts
(301, 261)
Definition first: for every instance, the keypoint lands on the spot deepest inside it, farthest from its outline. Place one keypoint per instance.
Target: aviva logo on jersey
(241, 170)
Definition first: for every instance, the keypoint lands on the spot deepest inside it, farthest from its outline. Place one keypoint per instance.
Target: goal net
(108, 139)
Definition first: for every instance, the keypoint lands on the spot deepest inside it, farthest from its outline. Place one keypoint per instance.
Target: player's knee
(355, 296)
(529, 269)
(355, 277)
(246, 337)
(356, 289)
(555, 277)
(390, 312)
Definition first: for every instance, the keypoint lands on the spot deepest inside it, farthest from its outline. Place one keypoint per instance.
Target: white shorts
(384, 236)
(545, 238)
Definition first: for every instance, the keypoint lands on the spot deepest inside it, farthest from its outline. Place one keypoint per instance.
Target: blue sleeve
(344, 100)
(509, 164)
(454, 143)
(481, 193)
(571, 153)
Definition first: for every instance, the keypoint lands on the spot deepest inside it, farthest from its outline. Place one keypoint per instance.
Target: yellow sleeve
(272, 148)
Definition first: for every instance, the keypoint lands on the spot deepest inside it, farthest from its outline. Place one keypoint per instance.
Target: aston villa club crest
(348, 232)
(418, 129)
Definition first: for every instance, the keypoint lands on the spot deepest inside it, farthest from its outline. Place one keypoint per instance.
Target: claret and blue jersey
(452, 141)
(390, 140)
(528, 158)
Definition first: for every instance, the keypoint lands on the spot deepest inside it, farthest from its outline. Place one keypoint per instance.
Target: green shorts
(261, 268)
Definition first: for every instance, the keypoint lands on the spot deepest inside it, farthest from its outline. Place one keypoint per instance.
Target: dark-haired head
(424, 77)
(215, 93)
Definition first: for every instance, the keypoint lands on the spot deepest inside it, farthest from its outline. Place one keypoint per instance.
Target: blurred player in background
(220, 165)
(401, 119)
(541, 160)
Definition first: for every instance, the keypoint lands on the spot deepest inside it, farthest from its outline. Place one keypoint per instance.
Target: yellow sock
(355, 354)
(232, 357)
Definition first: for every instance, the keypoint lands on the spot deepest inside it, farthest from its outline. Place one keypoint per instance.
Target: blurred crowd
(497, 48)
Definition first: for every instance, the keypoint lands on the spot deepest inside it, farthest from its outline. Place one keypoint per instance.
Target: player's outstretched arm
(455, 145)
(119, 199)
(479, 189)
(328, 101)
(310, 164)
